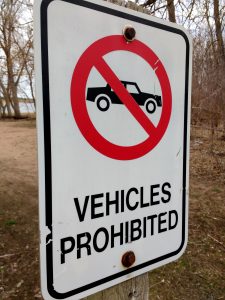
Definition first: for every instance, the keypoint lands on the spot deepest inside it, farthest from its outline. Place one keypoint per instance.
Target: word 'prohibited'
(113, 139)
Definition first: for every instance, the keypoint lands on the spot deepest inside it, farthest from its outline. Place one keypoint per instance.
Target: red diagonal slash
(110, 77)
(93, 57)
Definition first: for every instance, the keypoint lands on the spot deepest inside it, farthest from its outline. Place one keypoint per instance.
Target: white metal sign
(113, 140)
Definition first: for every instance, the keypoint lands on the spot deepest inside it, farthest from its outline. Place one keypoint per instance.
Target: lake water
(27, 108)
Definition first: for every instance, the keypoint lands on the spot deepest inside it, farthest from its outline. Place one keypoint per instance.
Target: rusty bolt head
(128, 259)
(129, 33)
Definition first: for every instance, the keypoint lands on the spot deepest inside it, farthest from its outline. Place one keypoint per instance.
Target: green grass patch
(217, 190)
(10, 222)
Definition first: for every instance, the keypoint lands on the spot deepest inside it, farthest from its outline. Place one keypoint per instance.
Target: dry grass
(198, 274)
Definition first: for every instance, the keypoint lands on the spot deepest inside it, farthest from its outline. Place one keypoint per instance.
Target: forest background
(199, 273)
(204, 19)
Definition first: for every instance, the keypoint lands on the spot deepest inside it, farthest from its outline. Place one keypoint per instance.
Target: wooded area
(204, 19)
(16, 56)
(199, 273)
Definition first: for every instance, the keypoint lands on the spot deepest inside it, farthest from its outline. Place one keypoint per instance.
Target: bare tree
(220, 51)
(15, 47)
(219, 34)
(171, 11)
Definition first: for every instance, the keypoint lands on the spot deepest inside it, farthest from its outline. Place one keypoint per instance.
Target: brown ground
(199, 274)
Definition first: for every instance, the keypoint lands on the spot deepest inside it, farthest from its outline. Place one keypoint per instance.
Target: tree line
(204, 19)
(16, 56)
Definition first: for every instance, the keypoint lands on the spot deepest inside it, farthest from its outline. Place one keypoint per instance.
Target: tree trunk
(171, 11)
(16, 104)
(8, 107)
(17, 109)
(13, 93)
(219, 34)
(211, 33)
(221, 56)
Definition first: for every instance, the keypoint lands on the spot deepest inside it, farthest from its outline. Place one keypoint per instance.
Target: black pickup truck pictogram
(105, 96)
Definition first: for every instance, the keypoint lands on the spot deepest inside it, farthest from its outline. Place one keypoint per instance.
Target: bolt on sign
(113, 89)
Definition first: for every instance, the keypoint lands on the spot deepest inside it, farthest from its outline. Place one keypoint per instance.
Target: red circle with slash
(93, 57)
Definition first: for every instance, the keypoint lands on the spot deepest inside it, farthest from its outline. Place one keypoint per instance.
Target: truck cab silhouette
(105, 96)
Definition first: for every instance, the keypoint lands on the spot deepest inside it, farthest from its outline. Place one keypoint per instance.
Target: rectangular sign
(113, 112)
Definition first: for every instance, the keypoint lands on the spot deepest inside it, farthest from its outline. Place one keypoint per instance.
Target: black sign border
(47, 141)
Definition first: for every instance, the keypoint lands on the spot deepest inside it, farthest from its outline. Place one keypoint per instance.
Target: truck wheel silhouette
(103, 102)
(150, 106)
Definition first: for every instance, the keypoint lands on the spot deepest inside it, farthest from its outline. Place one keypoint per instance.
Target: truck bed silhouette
(105, 96)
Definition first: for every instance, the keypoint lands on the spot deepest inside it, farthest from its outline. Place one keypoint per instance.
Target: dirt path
(19, 267)
(198, 274)
(18, 158)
